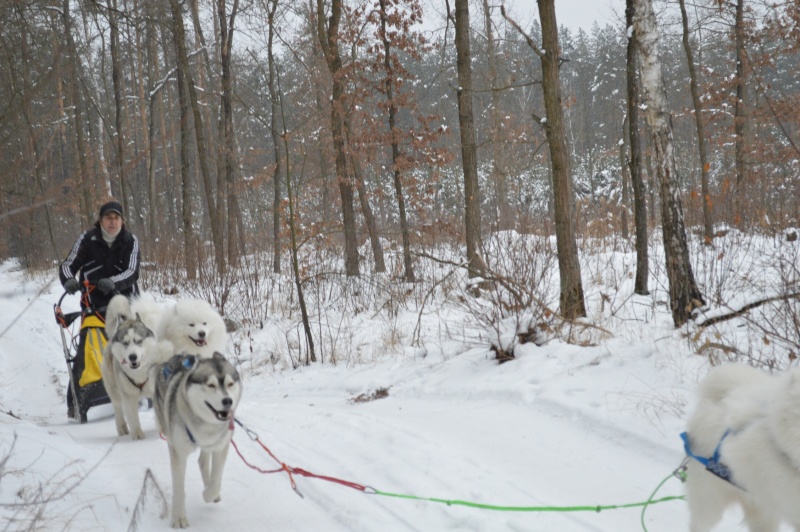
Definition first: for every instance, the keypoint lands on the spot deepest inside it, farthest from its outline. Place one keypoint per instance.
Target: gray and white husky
(195, 399)
(127, 359)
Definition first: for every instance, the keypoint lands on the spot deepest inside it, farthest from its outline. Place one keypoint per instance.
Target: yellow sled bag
(93, 342)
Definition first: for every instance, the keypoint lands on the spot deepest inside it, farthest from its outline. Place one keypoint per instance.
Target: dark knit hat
(111, 206)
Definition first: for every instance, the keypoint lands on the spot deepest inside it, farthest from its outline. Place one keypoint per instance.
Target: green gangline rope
(597, 508)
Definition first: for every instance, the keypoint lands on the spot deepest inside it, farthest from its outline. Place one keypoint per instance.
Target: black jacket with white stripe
(95, 260)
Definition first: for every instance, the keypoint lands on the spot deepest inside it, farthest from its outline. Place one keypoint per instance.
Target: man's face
(111, 222)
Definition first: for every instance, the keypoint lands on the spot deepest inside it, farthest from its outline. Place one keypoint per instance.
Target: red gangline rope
(289, 469)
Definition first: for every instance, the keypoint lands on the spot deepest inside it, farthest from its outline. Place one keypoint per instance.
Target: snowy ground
(561, 426)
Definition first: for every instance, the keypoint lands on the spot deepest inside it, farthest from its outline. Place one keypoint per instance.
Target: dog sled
(83, 352)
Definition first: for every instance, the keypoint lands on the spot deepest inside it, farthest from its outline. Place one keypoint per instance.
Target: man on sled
(106, 260)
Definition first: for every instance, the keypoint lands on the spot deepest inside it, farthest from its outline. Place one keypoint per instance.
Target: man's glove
(105, 285)
(71, 285)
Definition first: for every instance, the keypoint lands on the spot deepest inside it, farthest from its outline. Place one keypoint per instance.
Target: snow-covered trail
(420, 447)
(434, 437)
(442, 432)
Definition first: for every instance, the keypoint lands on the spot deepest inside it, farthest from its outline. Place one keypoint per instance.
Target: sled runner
(83, 353)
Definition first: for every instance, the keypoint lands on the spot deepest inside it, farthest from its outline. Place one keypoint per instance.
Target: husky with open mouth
(127, 359)
(195, 399)
(193, 327)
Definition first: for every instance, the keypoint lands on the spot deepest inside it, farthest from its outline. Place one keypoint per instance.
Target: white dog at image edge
(753, 419)
(193, 327)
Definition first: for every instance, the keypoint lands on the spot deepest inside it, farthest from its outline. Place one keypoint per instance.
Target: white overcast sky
(583, 13)
(572, 13)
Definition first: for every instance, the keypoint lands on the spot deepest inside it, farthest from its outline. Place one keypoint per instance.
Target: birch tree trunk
(683, 292)
(637, 180)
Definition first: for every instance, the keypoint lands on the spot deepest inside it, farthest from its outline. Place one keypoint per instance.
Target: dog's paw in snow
(210, 495)
(180, 521)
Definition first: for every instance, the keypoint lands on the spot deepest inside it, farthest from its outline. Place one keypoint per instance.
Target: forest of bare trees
(233, 128)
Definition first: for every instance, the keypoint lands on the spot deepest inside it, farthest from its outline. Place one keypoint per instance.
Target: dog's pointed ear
(138, 318)
(219, 356)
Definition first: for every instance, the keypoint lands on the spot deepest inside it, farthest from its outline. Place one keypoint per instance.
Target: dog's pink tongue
(199, 343)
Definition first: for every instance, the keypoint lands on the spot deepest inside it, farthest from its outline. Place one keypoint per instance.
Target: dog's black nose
(201, 334)
(227, 402)
(132, 358)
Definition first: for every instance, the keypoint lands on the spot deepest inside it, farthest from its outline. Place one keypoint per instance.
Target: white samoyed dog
(122, 308)
(751, 420)
(194, 328)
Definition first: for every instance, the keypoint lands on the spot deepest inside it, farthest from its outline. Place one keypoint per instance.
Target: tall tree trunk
(210, 113)
(684, 293)
(200, 140)
(198, 29)
(154, 109)
(740, 115)
(571, 301)
(329, 41)
(369, 217)
(572, 304)
(119, 104)
(366, 209)
(227, 133)
(408, 266)
(34, 153)
(469, 158)
(276, 136)
(84, 178)
(502, 208)
(637, 181)
(708, 224)
(190, 259)
(143, 149)
(169, 150)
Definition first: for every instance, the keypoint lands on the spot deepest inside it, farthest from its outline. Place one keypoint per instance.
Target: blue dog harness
(712, 464)
(166, 373)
